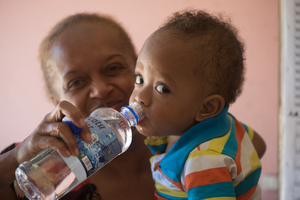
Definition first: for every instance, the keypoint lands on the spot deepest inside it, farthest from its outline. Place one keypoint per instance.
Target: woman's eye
(114, 69)
(76, 84)
(163, 89)
(139, 79)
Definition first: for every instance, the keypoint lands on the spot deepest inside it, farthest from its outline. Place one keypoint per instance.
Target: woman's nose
(100, 88)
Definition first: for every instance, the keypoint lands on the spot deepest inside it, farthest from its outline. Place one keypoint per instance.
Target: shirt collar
(206, 130)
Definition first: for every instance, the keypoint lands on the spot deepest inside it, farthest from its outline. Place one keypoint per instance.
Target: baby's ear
(211, 107)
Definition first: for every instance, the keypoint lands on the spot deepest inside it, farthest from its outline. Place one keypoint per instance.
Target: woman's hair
(45, 52)
(219, 60)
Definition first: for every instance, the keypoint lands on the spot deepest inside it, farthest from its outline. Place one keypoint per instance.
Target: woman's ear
(211, 107)
(54, 100)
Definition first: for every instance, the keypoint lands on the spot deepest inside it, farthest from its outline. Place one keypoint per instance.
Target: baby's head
(218, 57)
(186, 72)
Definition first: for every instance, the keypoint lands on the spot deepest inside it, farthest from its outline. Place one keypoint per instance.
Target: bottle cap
(133, 112)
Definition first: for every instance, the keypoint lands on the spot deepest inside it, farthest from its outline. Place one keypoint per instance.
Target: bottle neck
(133, 113)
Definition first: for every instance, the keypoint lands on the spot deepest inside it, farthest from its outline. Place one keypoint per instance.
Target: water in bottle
(50, 175)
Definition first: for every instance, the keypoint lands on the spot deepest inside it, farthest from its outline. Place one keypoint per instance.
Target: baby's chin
(141, 130)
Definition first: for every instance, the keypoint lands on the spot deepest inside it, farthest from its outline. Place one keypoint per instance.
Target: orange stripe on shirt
(207, 177)
(240, 132)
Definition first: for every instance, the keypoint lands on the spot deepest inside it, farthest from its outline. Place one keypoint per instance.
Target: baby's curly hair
(220, 61)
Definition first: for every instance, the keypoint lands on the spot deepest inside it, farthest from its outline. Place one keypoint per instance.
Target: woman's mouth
(117, 105)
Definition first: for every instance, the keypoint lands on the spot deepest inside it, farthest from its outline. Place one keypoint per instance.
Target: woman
(88, 62)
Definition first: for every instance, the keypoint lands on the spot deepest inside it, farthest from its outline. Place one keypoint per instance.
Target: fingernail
(82, 122)
(76, 152)
(68, 153)
(88, 137)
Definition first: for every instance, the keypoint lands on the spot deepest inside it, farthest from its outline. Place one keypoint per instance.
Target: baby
(187, 74)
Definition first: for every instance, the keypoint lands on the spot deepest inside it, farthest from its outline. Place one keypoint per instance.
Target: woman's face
(94, 68)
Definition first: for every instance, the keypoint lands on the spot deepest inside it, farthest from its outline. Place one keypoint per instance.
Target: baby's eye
(139, 79)
(162, 88)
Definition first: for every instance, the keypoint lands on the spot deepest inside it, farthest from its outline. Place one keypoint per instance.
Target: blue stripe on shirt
(231, 146)
(249, 182)
(224, 189)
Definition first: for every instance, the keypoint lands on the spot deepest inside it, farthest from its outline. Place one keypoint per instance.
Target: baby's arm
(207, 174)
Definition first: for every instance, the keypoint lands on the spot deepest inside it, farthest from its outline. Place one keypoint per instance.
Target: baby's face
(166, 86)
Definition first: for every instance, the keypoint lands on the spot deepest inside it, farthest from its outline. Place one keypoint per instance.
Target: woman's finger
(65, 108)
(61, 131)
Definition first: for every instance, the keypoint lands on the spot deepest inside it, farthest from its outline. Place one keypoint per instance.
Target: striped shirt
(214, 159)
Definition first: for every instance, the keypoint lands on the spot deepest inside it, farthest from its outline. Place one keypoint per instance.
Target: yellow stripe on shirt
(159, 187)
(218, 144)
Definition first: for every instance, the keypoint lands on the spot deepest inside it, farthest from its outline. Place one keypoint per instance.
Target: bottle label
(103, 147)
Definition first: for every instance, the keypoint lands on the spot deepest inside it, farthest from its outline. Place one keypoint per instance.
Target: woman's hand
(48, 132)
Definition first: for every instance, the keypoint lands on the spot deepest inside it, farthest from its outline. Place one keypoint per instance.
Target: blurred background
(23, 24)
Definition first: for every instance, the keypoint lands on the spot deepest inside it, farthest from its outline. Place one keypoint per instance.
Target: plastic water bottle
(50, 175)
